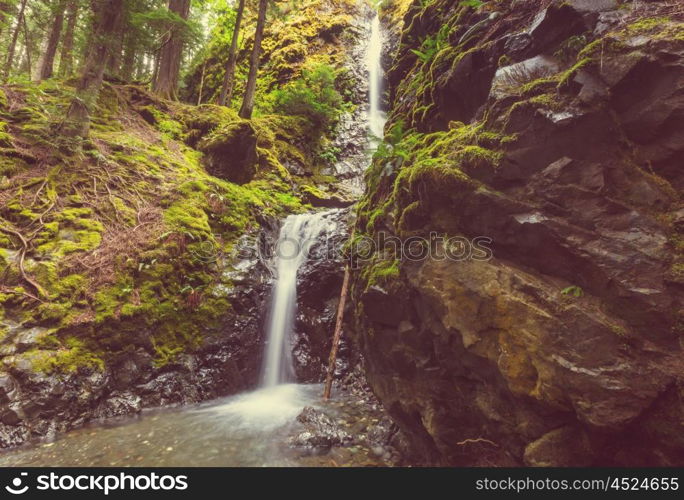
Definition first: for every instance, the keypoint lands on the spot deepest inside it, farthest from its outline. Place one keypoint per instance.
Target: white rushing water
(278, 400)
(297, 235)
(376, 116)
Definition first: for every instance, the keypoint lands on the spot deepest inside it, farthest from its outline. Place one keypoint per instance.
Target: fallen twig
(7, 290)
(477, 440)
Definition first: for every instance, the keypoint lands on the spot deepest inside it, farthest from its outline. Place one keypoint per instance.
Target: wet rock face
(318, 292)
(465, 86)
(554, 24)
(565, 347)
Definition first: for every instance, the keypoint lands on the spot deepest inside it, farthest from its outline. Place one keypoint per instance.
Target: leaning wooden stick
(338, 334)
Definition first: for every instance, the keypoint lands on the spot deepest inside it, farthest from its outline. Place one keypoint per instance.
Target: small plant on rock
(573, 291)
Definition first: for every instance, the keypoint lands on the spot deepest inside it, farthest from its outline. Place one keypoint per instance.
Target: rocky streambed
(295, 429)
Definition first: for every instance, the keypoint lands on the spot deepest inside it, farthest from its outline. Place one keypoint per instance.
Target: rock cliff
(553, 130)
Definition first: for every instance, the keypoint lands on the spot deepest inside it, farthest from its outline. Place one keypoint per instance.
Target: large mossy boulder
(230, 152)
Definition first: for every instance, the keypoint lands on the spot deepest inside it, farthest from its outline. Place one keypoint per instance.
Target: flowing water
(249, 429)
(297, 235)
(376, 116)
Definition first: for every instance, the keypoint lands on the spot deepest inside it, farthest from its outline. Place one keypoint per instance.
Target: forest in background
(199, 52)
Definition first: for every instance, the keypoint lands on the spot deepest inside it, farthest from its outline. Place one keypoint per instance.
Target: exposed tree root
(22, 255)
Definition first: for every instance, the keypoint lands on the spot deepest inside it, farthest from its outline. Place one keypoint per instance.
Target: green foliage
(313, 96)
(392, 147)
(431, 45)
(161, 19)
(330, 155)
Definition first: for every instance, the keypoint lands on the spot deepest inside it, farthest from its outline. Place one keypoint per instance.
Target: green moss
(163, 122)
(573, 291)
(477, 156)
(4, 259)
(619, 331)
(570, 73)
(71, 230)
(677, 271)
(537, 85)
(381, 272)
(72, 356)
(647, 25)
(658, 29)
(52, 312)
(159, 292)
(504, 61)
(108, 301)
(375, 216)
(188, 217)
(5, 137)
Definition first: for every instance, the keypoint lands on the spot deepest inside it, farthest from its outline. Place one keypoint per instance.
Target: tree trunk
(166, 80)
(226, 95)
(336, 337)
(27, 50)
(141, 65)
(46, 67)
(107, 19)
(89, 30)
(154, 66)
(128, 69)
(201, 86)
(13, 41)
(113, 68)
(66, 57)
(248, 99)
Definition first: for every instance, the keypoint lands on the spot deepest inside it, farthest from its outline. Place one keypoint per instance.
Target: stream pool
(250, 429)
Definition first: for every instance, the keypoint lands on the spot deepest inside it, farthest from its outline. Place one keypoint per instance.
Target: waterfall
(297, 234)
(376, 117)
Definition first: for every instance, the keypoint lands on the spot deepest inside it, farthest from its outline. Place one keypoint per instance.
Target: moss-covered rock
(230, 152)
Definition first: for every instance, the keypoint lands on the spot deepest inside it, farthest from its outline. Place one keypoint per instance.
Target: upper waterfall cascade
(376, 116)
